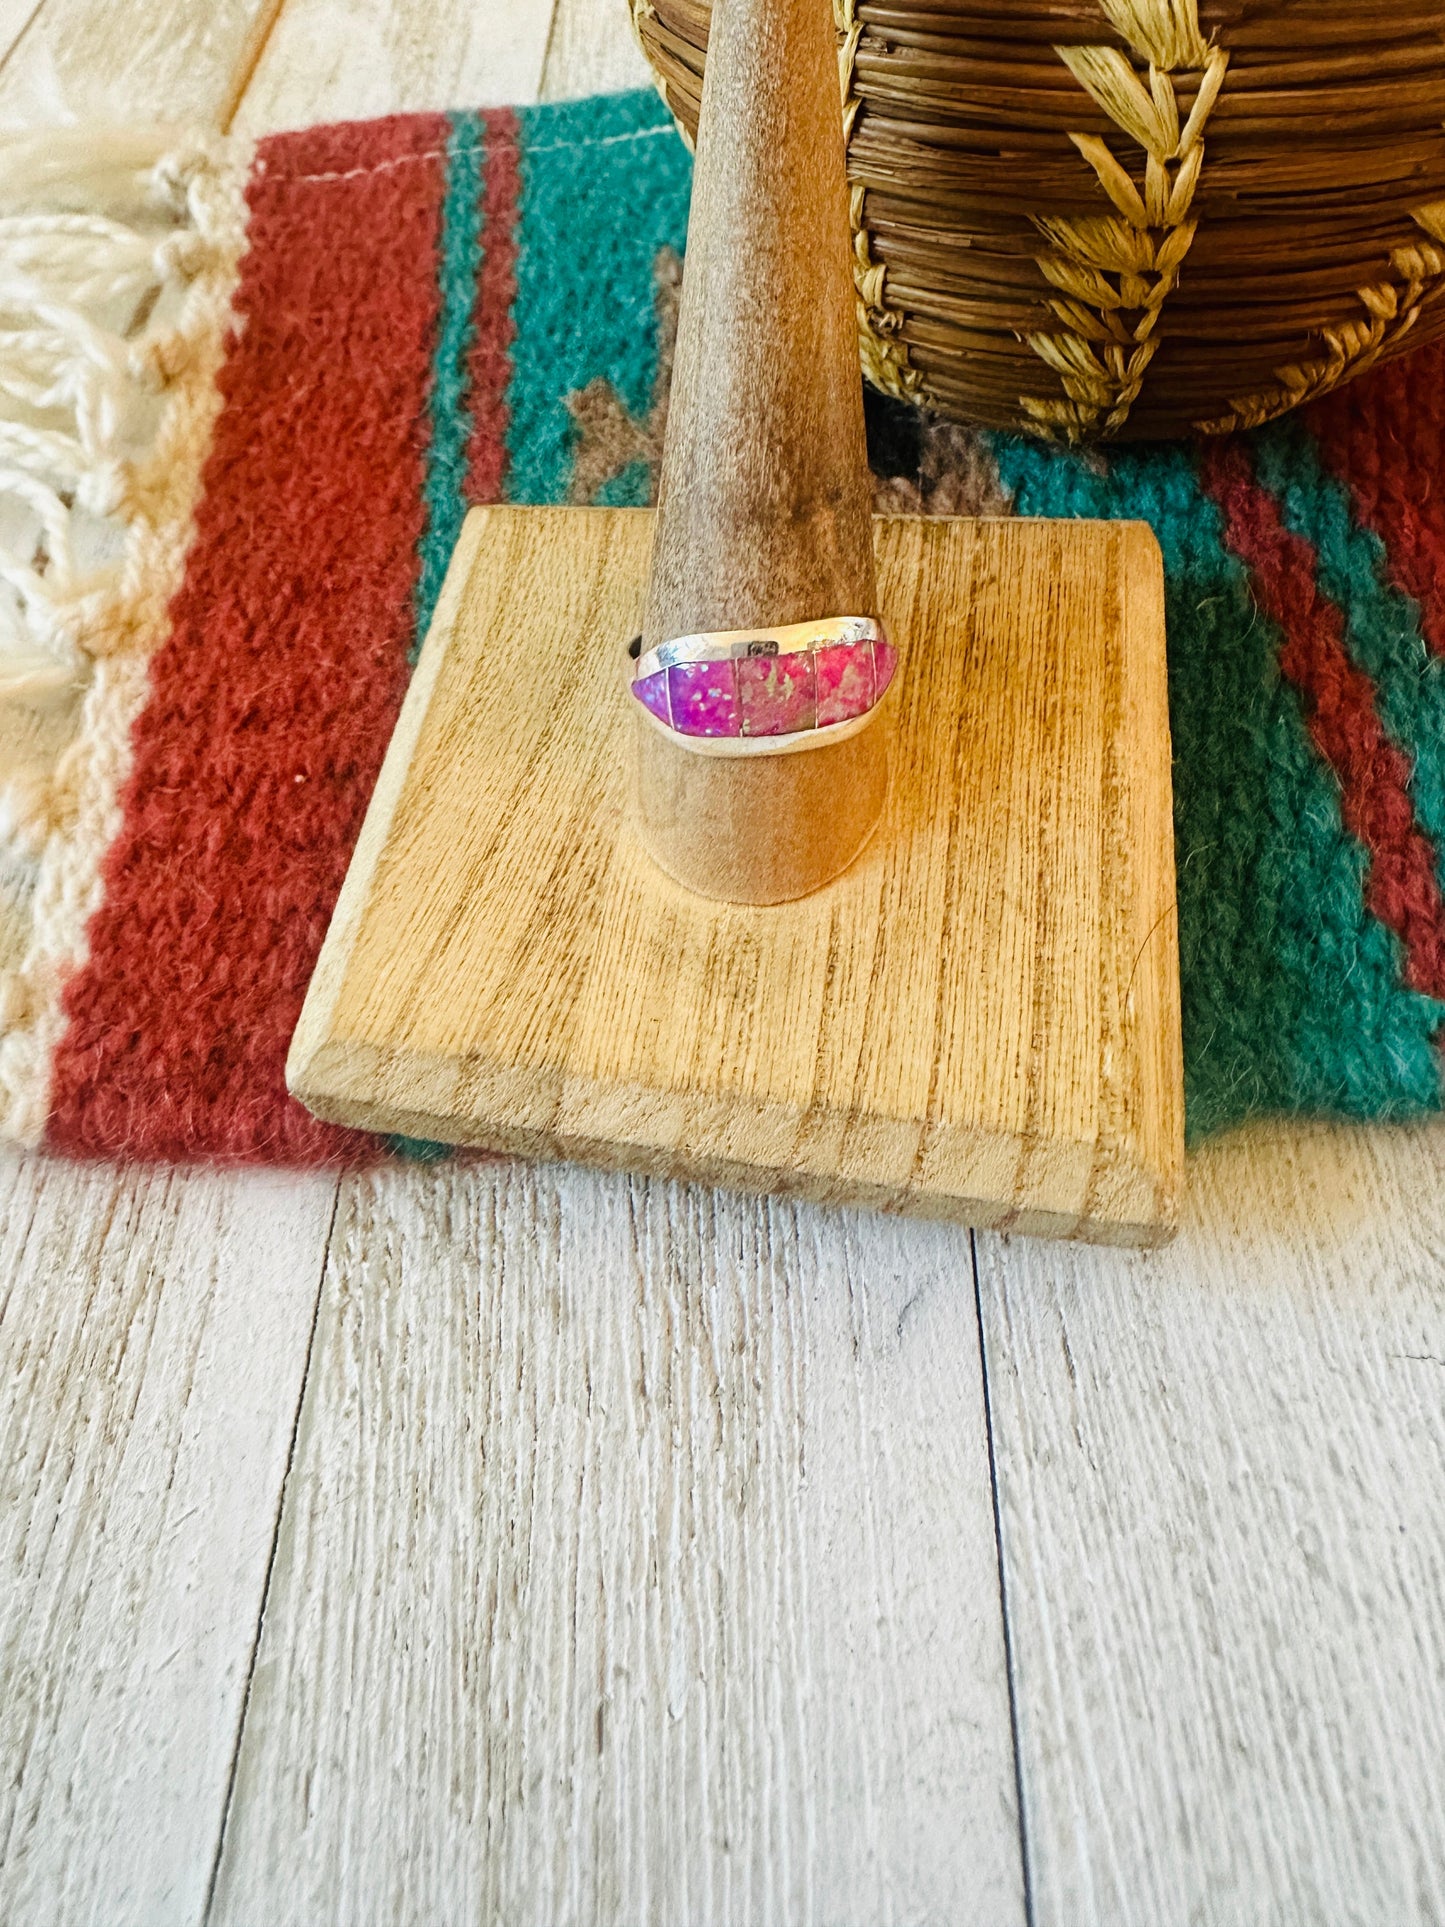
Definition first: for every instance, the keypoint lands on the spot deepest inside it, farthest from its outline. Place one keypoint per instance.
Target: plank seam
(1025, 1857)
(547, 49)
(249, 60)
(29, 21)
(234, 1768)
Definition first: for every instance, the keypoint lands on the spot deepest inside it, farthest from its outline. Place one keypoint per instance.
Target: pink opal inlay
(885, 661)
(845, 681)
(704, 698)
(651, 692)
(785, 694)
(776, 694)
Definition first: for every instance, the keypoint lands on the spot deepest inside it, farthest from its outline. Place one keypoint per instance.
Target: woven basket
(1129, 219)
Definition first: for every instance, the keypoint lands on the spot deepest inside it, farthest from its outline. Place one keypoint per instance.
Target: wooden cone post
(765, 503)
(931, 966)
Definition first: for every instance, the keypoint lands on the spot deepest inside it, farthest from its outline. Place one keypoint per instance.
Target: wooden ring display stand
(932, 967)
(765, 511)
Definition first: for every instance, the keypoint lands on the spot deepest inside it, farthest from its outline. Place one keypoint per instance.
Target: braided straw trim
(1165, 32)
(1391, 311)
(1112, 274)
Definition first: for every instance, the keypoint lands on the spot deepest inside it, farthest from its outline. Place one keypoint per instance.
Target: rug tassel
(97, 240)
(119, 251)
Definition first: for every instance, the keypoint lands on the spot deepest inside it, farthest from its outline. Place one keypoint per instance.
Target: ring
(738, 692)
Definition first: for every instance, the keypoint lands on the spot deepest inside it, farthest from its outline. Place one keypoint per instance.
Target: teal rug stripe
(416, 1150)
(1292, 992)
(1382, 625)
(605, 186)
(451, 422)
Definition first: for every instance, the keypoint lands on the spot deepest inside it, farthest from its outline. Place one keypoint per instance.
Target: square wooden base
(979, 1020)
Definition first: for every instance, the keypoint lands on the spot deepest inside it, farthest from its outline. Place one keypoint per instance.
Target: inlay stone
(885, 661)
(788, 692)
(704, 698)
(776, 694)
(845, 681)
(651, 692)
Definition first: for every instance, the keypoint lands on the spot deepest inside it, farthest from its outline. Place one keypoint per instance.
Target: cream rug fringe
(119, 253)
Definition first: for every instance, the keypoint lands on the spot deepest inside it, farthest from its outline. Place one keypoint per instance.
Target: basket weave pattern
(1129, 219)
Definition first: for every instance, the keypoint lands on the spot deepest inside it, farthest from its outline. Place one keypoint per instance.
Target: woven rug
(246, 395)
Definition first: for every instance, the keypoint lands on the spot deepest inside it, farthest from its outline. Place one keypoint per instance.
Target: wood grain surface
(15, 17)
(592, 50)
(638, 1566)
(140, 60)
(1222, 1480)
(154, 1332)
(979, 1021)
(335, 59)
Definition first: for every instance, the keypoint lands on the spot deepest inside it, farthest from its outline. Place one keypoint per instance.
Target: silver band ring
(769, 689)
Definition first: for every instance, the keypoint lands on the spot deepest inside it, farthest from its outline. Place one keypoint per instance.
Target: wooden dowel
(765, 500)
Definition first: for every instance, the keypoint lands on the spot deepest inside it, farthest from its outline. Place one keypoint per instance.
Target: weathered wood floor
(528, 1546)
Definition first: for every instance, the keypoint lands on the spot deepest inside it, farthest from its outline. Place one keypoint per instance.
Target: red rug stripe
(1384, 436)
(490, 361)
(1340, 711)
(272, 702)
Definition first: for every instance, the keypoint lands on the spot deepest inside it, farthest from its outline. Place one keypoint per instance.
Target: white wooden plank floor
(637, 1565)
(602, 1552)
(154, 1333)
(1222, 1486)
